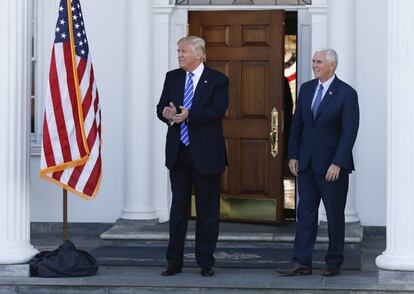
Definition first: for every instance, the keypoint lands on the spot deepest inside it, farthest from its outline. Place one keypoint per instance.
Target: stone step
(229, 232)
(147, 280)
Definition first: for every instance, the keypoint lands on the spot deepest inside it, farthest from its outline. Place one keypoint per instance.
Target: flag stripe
(87, 101)
(58, 111)
(47, 146)
(72, 96)
(81, 67)
(75, 175)
(57, 175)
(62, 86)
(94, 177)
(53, 131)
(88, 167)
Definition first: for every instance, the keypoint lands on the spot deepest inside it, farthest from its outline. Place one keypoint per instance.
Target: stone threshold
(151, 230)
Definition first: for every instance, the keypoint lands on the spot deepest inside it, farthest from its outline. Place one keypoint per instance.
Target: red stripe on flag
(94, 177)
(73, 98)
(57, 175)
(96, 102)
(87, 101)
(81, 68)
(74, 177)
(47, 145)
(92, 135)
(58, 110)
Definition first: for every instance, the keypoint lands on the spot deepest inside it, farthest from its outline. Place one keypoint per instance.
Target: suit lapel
(308, 103)
(201, 85)
(327, 97)
(180, 88)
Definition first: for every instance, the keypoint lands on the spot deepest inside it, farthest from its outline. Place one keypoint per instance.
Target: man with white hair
(323, 133)
(192, 104)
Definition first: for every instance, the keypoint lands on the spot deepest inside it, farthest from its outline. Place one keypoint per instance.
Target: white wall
(105, 25)
(370, 150)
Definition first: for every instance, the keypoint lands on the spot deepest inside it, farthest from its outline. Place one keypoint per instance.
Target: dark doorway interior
(291, 32)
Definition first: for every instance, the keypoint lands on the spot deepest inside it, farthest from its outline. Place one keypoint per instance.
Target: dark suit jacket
(210, 102)
(329, 137)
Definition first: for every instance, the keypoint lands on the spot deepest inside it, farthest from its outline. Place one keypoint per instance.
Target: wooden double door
(248, 46)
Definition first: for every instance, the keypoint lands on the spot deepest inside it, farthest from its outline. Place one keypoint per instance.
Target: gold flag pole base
(65, 215)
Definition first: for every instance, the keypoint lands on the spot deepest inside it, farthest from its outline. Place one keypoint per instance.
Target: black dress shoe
(207, 272)
(170, 271)
(331, 271)
(294, 269)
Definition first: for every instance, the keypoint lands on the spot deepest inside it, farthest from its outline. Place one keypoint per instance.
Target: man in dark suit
(192, 104)
(323, 133)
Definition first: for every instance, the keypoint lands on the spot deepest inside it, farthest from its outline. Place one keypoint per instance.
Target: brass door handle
(274, 132)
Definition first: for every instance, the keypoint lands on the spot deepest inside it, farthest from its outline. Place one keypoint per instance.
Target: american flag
(71, 149)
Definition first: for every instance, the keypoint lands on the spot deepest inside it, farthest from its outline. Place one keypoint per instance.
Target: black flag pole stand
(65, 214)
(67, 260)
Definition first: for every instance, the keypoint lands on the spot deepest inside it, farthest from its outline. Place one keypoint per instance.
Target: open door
(248, 46)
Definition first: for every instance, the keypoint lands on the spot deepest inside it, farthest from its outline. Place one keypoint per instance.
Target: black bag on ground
(66, 261)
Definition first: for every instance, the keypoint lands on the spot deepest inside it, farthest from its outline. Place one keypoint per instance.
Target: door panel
(248, 46)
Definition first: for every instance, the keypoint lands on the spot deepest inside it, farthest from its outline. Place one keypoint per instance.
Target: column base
(351, 216)
(395, 262)
(395, 277)
(15, 270)
(354, 232)
(137, 215)
(16, 253)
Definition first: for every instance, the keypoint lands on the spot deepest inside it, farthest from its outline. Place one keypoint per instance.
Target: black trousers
(311, 189)
(207, 195)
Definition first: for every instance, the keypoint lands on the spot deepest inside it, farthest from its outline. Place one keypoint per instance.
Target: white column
(341, 38)
(162, 194)
(399, 254)
(139, 113)
(15, 33)
(319, 20)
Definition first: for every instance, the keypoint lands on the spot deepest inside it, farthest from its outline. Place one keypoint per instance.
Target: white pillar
(341, 38)
(162, 194)
(319, 20)
(399, 253)
(139, 113)
(318, 11)
(15, 33)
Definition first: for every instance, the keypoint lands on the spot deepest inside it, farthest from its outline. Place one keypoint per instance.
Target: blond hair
(198, 43)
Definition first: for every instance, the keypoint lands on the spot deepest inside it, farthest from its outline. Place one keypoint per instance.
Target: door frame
(312, 34)
(311, 30)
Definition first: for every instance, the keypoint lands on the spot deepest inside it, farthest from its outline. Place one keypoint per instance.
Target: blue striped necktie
(317, 101)
(187, 102)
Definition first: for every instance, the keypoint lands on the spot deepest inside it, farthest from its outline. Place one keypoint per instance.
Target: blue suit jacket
(210, 102)
(330, 137)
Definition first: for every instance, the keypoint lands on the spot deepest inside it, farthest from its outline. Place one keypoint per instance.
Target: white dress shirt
(325, 86)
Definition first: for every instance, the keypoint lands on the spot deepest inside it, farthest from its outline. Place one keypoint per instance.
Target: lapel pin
(330, 93)
(205, 81)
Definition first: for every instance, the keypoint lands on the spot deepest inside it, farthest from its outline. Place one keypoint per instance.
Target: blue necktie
(317, 101)
(187, 102)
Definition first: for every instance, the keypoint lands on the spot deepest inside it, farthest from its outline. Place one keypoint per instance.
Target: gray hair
(331, 55)
(198, 44)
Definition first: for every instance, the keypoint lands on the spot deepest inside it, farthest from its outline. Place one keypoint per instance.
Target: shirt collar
(198, 71)
(327, 83)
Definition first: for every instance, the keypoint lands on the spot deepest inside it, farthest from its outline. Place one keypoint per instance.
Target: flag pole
(65, 214)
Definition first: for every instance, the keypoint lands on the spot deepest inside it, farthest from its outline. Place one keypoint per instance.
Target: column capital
(319, 3)
(162, 10)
